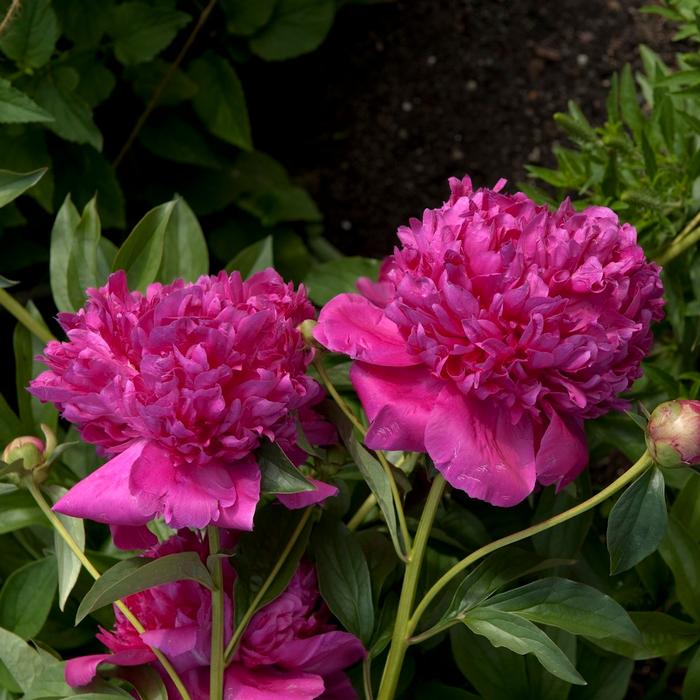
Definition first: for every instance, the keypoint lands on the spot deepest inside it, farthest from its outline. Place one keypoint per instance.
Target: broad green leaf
(245, 18)
(10, 425)
(686, 507)
(254, 258)
(637, 522)
(26, 597)
(220, 101)
(185, 253)
(19, 510)
(662, 635)
(691, 684)
(608, 677)
(278, 473)
(542, 685)
(146, 77)
(134, 575)
(141, 31)
(176, 139)
(24, 149)
(56, 93)
(50, 683)
(12, 185)
(23, 662)
(629, 104)
(68, 564)
(569, 605)
(259, 552)
(504, 629)
(682, 555)
(146, 681)
(296, 27)
(141, 254)
(75, 242)
(566, 539)
(343, 578)
(31, 36)
(79, 21)
(373, 474)
(97, 82)
(326, 280)
(18, 108)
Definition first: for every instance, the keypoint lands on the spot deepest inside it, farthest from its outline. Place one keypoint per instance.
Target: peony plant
(299, 497)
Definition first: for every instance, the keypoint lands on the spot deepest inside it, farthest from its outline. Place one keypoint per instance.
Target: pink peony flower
(176, 616)
(179, 386)
(493, 332)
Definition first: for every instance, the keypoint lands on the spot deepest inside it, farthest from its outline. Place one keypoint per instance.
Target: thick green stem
(87, 564)
(678, 246)
(399, 640)
(241, 627)
(216, 666)
(25, 318)
(362, 512)
(636, 470)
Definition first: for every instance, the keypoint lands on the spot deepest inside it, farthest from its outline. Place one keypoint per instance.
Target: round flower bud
(27, 448)
(673, 433)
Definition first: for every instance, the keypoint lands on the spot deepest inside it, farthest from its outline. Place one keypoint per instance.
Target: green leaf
(141, 254)
(649, 156)
(31, 36)
(504, 629)
(686, 507)
(608, 677)
(433, 690)
(175, 139)
(691, 684)
(24, 149)
(245, 18)
(22, 612)
(133, 575)
(296, 27)
(220, 102)
(637, 522)
(18, 108)
(146, 681)
(568, 605)
(79, 21)
(22, 661)
(259, 552)
(18, 511)
(12, 185)
(326, 280)
(73, 265)
(56, 93)
(141, 31)
(373, 473)
(629, 104)
(10, 425)
(185, 253)
(254, 258)
(69, 565)
(146, 78)
(50, 683)
(343, 578)
(682, 555)
(279, 475)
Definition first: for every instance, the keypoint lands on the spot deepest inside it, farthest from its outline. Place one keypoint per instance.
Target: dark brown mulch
(405, 94)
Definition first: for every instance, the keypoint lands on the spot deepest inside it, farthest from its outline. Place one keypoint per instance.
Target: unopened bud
(28, 449)
(306, 328)
(673, 433)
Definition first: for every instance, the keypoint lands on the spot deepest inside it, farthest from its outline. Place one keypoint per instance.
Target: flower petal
(267, 683)
(478, 450)
(352, 325)
(83, 669)
(338, 687)
(303, 499)
(398, 402)
(105, 495)
(563, 451)
(129, 537)
(322, 653)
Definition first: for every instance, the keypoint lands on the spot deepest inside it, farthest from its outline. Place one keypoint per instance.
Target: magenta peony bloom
(493, 332)
(180, 385)
(177, 618)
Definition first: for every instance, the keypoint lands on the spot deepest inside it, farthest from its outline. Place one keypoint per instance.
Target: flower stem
(636, 470)
(25, 318)
(241, 627)
(357, 519)
(216, 668)
(87, 564)
(343, 406)
(399, 640)
(678, 246)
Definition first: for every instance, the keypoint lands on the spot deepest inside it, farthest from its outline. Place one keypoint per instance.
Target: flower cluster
(179, 386)
(493, 332)
(289, 648)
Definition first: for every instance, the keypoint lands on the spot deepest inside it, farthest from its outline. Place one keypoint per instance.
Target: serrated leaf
(18, 108)
(141, 31)
(278, 473)
(31, 36)
(12, 185)
(254, 258)
(637, 522)
(133, 575)
(220, 101)
(141, 254)
(25, 614)
(244, 18)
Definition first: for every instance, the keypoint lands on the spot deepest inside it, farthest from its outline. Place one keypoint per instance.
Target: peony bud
(673, 433)
(306, 328)
(29, 449)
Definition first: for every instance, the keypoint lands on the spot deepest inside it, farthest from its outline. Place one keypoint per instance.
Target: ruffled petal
(267, 683)
(338, 687)
(239, 516)
(398, 402)
(303, 499)
(323, 653)
(83, 669)
(563, 451)
(478, 450)
(173, 641)
(129, 537)
(352, 325)
(105, 495)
